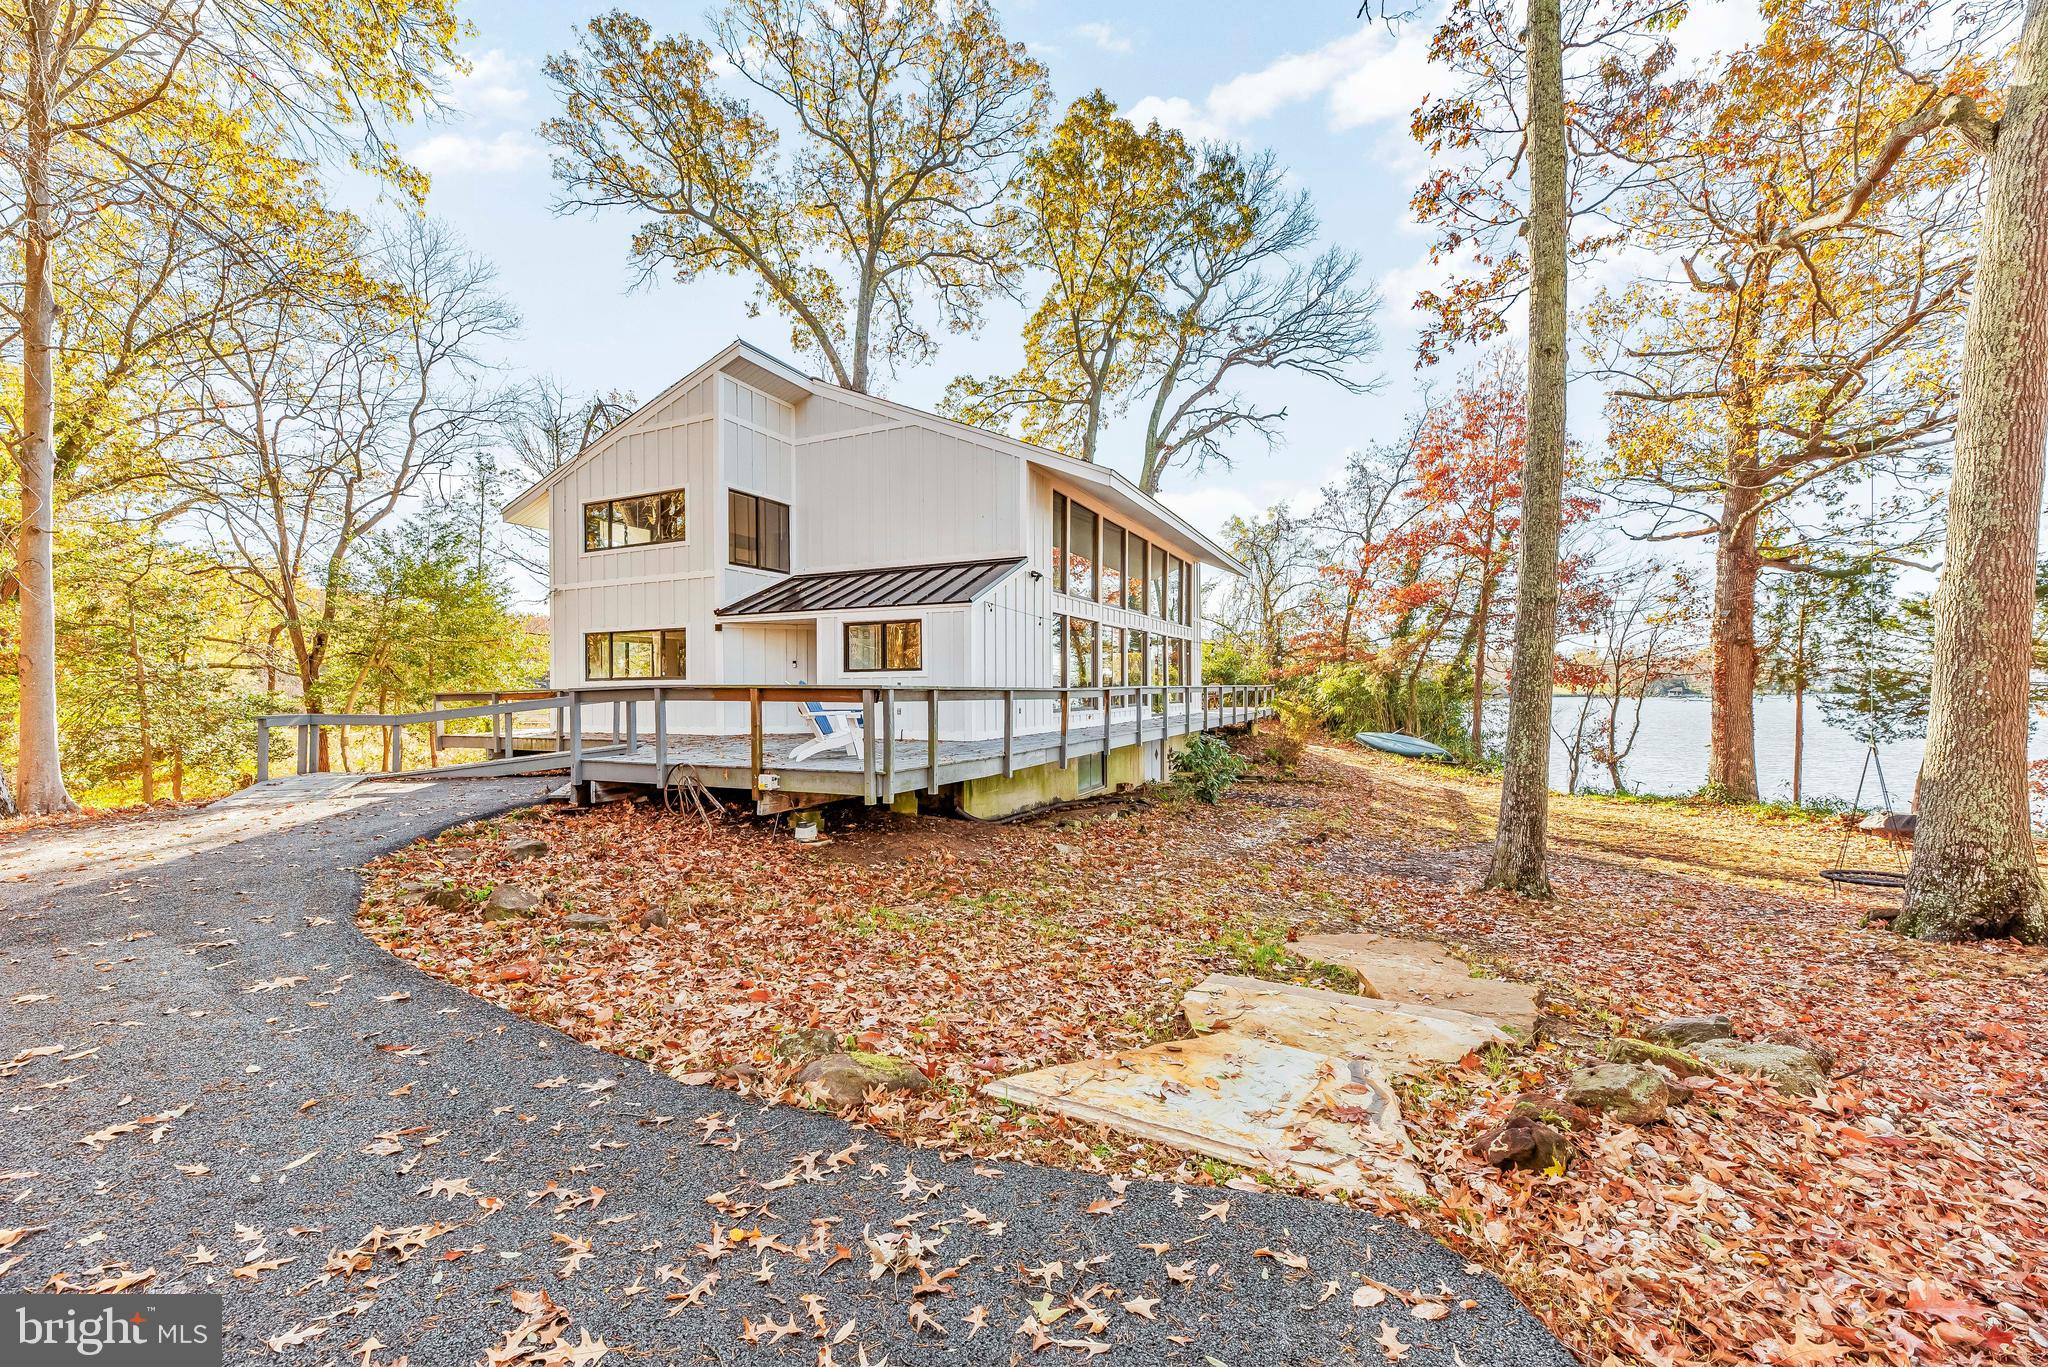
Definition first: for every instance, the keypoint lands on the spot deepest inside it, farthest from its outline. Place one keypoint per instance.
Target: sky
(1329, 94)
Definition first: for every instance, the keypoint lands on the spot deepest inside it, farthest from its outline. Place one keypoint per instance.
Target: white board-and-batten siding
(868, 486)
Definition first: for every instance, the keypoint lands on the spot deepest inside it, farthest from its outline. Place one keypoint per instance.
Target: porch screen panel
(1059, 650)
(1080, 654)
(1059, 547)
(1157, 589)
(1113, 656)
(1134, 573)
(1081, 553)
(1134, 660)
(1112, 563)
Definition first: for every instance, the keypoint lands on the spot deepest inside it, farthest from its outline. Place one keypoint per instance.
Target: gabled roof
(767, 372)
(894, 586)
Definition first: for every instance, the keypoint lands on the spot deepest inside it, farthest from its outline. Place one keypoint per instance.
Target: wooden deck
(725, 762)
(639, 747)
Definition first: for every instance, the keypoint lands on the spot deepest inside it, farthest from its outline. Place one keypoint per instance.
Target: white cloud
(1104, 37)
(460, 153)
(493, 87)
(1362, 78)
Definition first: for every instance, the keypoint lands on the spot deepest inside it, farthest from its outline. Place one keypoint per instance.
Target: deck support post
(1105, 735)
(889, 745)
(660, 742)
(262, 749)
(1009, 732)
(1063, 728)
(754, 743)
(931, 740)
(867, 747)
(575, 710)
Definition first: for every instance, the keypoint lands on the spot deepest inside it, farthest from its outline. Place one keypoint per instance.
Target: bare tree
(909, 116)
(1281, 558)
(322, 421)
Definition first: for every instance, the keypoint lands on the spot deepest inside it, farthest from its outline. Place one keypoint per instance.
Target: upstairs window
(1134, 573)
(1156, 582)
(872, 646)
(1176, 584)
(646, 520)
(635, 654)
(1081, 553)
(1059, 543)
(760, 532)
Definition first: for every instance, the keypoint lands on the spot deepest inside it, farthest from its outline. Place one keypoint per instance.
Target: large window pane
(1189, 601)
(633, 520)
(1059, 543)
(597, 655)
(746, 538)
(903, 645)
(1081, 554)
(863, 645)
(1157, 591)
(774, 535)
(668, 516)
(1176, 657)
(1173, 586)
(1080, 654)
(1059, 650)
(674, 658)
(597, 526)
(1112, 557)
(633, 654)
(1134, 574)
(1113, 656)
(1155, 652)
(1134, 659)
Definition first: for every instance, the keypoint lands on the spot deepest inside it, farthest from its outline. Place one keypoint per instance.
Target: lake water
(1670, 754)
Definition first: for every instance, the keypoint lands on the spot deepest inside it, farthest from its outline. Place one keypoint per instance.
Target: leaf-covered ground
(1900, 1218)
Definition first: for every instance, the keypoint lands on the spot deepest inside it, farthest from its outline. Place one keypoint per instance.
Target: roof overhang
(1115, 492)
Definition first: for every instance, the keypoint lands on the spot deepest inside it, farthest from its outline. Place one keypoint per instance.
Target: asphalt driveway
(217, 1082)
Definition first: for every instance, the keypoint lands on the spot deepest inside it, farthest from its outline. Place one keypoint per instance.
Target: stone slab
(1423, 973)
(1395, 1039)
(1256, 1102)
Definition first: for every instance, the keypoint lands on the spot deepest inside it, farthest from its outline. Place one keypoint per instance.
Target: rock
(1524, 1142)
(449, 899)
(1555, 1112)
(803, 1045)
(528, 847)
(1642, 1051)
(419, 885)
(1785, 1066)
(589, 920)
(655, 916)
(1630, 1092)
(1680, 1031)
(509, 900)
(1821, 1053)
(842, 1080)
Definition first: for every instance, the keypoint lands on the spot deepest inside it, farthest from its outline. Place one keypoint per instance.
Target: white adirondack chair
(838, 728)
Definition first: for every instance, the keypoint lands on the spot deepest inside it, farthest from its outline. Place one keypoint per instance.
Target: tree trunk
(1731, 743)
(1479, 672)
(1799, 707)
(39, 768)
(1518, 850)
(1973, 873)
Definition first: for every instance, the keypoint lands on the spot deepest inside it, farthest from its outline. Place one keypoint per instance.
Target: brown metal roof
(897, 586)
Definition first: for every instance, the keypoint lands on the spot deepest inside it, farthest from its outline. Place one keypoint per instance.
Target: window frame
(611, 520)
(660, 635)
(732, 500)
(846, 628)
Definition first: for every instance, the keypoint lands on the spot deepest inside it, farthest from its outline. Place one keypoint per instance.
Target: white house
(753, 526)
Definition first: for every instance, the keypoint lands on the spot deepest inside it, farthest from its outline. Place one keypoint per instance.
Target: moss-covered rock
(1677, 1061)
(1792, 1070)
(1633, 1093)
(1683, 1031)
(841, 1081)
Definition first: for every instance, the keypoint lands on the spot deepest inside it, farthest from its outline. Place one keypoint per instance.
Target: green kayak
(1394, 743)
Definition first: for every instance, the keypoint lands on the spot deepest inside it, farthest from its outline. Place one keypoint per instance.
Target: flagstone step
(1241, 1098)
(1397, 1039)
(1423, 973)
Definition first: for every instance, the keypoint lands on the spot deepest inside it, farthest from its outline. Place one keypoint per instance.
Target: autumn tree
(1522, 147)
(1804, 350)
(1264, 605)
(1175, 272)
(85, 97)
(1973, 873)
(892, 207)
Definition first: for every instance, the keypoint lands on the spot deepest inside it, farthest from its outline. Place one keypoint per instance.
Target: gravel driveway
(217, 1081)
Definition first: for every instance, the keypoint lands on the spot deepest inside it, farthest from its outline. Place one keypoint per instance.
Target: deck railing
(1154, 712)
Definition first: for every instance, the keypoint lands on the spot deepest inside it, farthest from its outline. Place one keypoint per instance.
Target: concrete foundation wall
(1042, 785)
